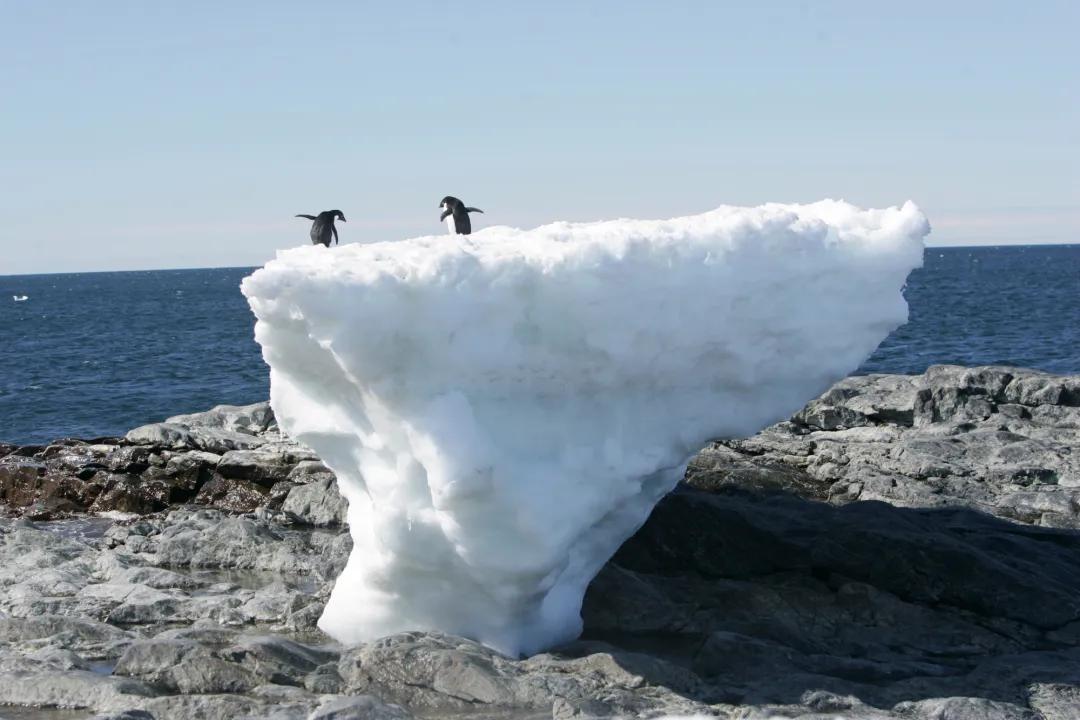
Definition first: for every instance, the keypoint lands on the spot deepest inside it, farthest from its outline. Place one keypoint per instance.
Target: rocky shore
(903, 547)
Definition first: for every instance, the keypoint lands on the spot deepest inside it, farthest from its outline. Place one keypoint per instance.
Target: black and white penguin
(458, 215)
(323, 226)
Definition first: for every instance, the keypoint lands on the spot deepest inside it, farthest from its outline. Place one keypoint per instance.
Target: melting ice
(504, 409)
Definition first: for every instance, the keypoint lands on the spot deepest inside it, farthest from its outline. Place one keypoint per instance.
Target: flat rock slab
(1000, 440)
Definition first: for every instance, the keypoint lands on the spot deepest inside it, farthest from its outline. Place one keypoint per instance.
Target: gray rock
(964, 709)
(41, 572)
(77, 634)
(438, 672)
(1054, 701)
(263, 467)
(422, 670)
(860, 401)
(999, 440)
(70, 689)
(358, 707)
(206, 707)
(273, 602)
(318, 503)
(307, 470)
(140, 604)
(211, 539)
(202, 632)
(178, 436)
(324, 680)
(279, 660)
(250, 419)
(59, 659)
(222, 441)
(816, 705)
(157, 578)
(185, 667)
(169, 435)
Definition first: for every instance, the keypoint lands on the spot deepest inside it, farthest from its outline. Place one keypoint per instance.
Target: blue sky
(145, 135)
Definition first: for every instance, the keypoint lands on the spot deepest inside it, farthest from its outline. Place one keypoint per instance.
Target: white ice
(504, 409)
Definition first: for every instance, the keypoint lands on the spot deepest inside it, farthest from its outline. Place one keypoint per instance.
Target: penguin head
(337, 214)
(449, 203)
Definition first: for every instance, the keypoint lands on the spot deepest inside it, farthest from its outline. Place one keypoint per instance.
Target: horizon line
(246, 267)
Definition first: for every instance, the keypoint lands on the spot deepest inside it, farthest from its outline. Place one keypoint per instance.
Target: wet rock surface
(904, 547)
(230, 458)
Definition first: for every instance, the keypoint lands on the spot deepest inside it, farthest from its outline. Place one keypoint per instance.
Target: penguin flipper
(474, 210)
(334, 228)
(445, 213)
(309, 217)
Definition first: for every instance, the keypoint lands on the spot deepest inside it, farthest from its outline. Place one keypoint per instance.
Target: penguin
(458, 214)
(323, 226)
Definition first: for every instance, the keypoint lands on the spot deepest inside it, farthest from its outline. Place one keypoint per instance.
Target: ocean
(96, 354)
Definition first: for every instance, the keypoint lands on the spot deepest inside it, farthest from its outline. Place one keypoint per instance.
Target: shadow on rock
(768, 597)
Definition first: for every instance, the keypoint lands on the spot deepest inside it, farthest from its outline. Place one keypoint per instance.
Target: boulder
(48, 490)
(168, 435)
(279, 660)
(184, 666)
(248, 419)
(998, 440)
(180, 437)
(231, 494)
(440, 673)
(70, 689)
(318, 503)
(263, 467)
(134, 494)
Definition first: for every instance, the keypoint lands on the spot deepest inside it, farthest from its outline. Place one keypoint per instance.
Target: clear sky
(187, 134)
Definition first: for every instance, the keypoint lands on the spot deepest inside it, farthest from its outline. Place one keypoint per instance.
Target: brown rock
(192, 469)
(232, 494)
(130, 493)
(19, 481)
(53, 508)
(133, 459)
(24, 483)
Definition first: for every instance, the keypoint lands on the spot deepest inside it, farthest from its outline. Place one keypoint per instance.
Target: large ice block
(504, 409)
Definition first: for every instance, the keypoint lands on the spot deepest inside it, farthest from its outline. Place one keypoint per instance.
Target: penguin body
(456, 215)
(322, 226)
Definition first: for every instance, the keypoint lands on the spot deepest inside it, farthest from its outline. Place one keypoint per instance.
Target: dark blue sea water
(96, 354)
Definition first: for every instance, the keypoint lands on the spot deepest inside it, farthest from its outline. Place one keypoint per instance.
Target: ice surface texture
(504, 409)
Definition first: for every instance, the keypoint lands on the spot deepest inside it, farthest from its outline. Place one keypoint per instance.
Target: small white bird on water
(20, 298)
